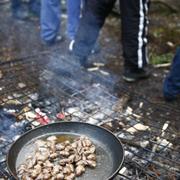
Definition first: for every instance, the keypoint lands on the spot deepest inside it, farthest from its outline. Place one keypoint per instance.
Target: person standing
(51, 18)
(171, 86)
(134, 34)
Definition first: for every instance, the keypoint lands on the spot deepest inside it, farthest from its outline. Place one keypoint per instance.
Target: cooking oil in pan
(30, 147)
(104, 162)
(65, 137)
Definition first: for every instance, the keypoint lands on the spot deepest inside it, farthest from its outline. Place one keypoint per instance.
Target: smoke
(9, 128)
(85, 96)
(64, 72)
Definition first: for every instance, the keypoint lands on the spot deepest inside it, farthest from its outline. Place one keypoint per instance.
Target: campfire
(32, 94)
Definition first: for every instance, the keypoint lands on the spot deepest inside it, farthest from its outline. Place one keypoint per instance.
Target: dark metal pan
(110, 153)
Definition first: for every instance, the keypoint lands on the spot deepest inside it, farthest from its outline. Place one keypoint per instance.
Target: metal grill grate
(57, 86)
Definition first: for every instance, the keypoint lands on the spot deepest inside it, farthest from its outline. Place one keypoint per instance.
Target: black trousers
(134, 29)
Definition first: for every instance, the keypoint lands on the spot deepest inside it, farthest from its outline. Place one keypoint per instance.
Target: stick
(162, 65)
(154, 148)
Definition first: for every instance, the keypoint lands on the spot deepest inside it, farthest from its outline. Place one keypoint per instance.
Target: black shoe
(171, 98)
(52, 42)
(95, 50)
(83, 61)
(87, 65)
(135, 74)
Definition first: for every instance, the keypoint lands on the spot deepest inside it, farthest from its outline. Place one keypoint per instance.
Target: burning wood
(121, 104)
(98, 64)
(93, 105)
(105, 73)
(137, 127)
(21, 85)
(93, 69)
(61, 115)
(41, 117)
(161, 142)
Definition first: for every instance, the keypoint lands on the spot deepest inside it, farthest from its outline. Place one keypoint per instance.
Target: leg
(172, 82)
(73, 11)
(34, 7)
(18, 10)
(50, 19)
(15, 5)
(134, 32)
(93, 19)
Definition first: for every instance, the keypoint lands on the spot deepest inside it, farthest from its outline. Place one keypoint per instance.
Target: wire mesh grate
(151, 149)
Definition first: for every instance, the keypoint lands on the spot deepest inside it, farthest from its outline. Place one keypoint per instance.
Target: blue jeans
(171, 86)
(33, 6)
(15, 5)
(50, 18)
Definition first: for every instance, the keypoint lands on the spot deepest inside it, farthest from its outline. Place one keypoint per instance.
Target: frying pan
(109, 150)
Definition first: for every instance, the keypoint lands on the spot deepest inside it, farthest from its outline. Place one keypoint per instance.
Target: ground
(21, 39)
(20, 43)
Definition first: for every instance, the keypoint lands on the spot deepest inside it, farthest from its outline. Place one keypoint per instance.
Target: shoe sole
(127, 79)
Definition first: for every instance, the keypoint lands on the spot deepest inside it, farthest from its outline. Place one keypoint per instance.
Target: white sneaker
(71, 44)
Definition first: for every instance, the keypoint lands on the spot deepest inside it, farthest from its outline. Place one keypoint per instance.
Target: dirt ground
(21, 40)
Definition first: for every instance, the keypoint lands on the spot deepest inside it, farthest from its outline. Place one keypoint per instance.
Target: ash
(148, 150)
(10, 130)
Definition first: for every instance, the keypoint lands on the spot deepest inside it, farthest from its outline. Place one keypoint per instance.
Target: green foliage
(161, 59)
